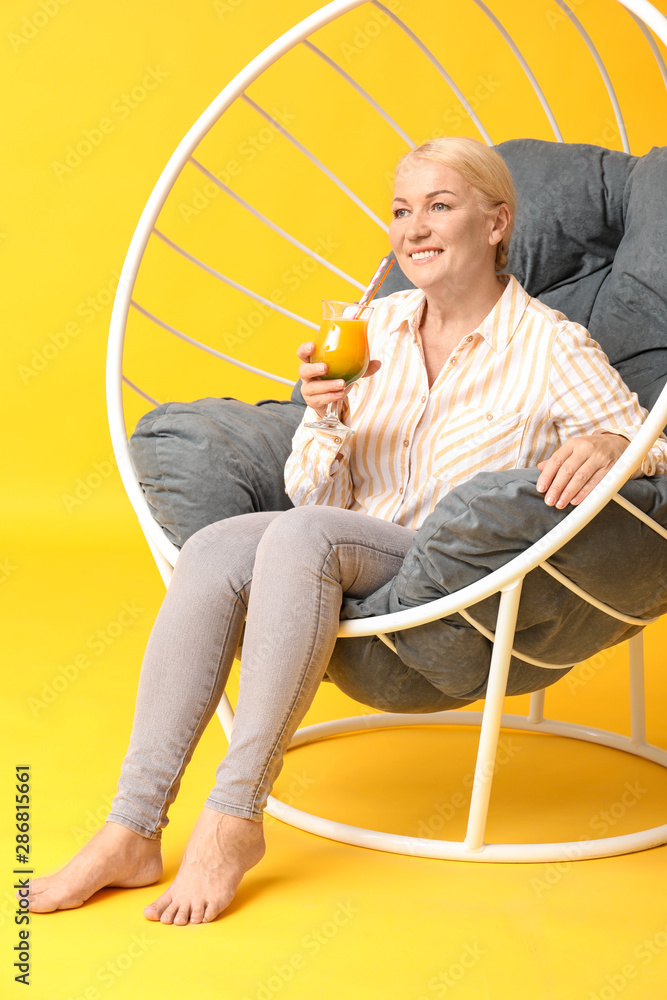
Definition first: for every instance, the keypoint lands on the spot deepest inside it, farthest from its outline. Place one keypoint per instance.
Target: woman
(470, 373)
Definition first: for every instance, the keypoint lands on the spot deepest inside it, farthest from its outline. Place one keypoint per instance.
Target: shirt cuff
(638, 473)
(329, 437)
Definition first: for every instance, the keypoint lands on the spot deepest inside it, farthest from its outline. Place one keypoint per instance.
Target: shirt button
(452, 361)
(401, 489)
(406, 444)
(423, 399)
(336, 440)
(489, 416)
(468, 339)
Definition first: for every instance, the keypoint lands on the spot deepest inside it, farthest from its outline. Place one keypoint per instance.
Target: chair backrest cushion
(211, 459)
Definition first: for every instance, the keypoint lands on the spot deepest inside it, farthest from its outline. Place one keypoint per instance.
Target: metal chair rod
(276, 229)
(636, 512)
(491, 636)
(637, 693)
(650, 14)
(566, 582)
(657, 54)
(524, 66)
(603, 72)
(235, 284)
(536, 710)
(317, 163)
(439, 67)
(493, 711)
(205, 347)
(139, 392)
(363, 93)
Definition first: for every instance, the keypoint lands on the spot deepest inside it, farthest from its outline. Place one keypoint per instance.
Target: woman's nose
(418, 226)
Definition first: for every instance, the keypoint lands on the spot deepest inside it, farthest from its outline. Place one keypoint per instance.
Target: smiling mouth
(425, 254)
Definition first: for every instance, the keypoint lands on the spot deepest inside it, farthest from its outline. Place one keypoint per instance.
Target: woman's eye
(440, 206)
(399, 213)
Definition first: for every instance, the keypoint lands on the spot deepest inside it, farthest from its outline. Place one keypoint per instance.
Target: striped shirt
(509, 395)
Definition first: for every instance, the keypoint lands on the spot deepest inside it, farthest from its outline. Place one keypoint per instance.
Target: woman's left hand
(577, 466)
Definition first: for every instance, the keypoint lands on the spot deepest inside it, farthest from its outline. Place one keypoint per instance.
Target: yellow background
(69, 568)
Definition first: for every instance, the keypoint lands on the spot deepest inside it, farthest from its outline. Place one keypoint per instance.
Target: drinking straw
(383, 270)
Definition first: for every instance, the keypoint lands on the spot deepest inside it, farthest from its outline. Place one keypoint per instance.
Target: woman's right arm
(317, 470)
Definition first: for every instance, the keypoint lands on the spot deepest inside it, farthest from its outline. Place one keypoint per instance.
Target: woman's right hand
(318, 392)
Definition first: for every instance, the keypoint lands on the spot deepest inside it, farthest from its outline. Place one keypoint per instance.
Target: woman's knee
(224, 549)
(300, 532)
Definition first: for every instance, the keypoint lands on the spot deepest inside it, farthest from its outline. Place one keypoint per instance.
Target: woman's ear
(501, 221)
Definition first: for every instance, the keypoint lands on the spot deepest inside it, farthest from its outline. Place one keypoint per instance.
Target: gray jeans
(287, 571)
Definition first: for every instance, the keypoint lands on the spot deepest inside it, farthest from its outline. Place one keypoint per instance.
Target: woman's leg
(187, 662)
(185, 668)
(307, 558)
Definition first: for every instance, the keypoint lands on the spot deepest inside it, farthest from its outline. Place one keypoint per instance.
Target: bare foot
(220, 851)
(116, 856)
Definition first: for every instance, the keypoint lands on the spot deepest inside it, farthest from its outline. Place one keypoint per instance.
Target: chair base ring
(451, 850)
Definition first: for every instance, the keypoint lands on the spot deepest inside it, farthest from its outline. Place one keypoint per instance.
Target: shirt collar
(497, 328)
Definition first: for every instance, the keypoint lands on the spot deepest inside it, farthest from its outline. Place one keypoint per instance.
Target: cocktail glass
(341, 343)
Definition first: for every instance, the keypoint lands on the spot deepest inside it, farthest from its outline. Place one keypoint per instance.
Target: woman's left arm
(597, 416)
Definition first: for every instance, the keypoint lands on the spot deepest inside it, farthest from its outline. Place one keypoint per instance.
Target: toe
(197, 913)
(211, 912)
(182, 916)
(155, 910)
(169, 913)
(42, 903)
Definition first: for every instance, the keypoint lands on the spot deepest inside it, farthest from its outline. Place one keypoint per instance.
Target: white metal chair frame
(507, 580)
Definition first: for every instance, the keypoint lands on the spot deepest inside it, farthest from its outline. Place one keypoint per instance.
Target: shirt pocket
(473, 440)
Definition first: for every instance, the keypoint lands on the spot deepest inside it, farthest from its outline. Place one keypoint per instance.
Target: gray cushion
(204, 461)
(478, 527)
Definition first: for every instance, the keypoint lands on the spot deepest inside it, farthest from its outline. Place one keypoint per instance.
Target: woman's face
(438, 232)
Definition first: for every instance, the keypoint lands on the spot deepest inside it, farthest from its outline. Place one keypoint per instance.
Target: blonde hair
(483, 168)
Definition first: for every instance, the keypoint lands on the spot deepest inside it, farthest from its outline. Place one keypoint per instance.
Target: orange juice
(343, 346)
